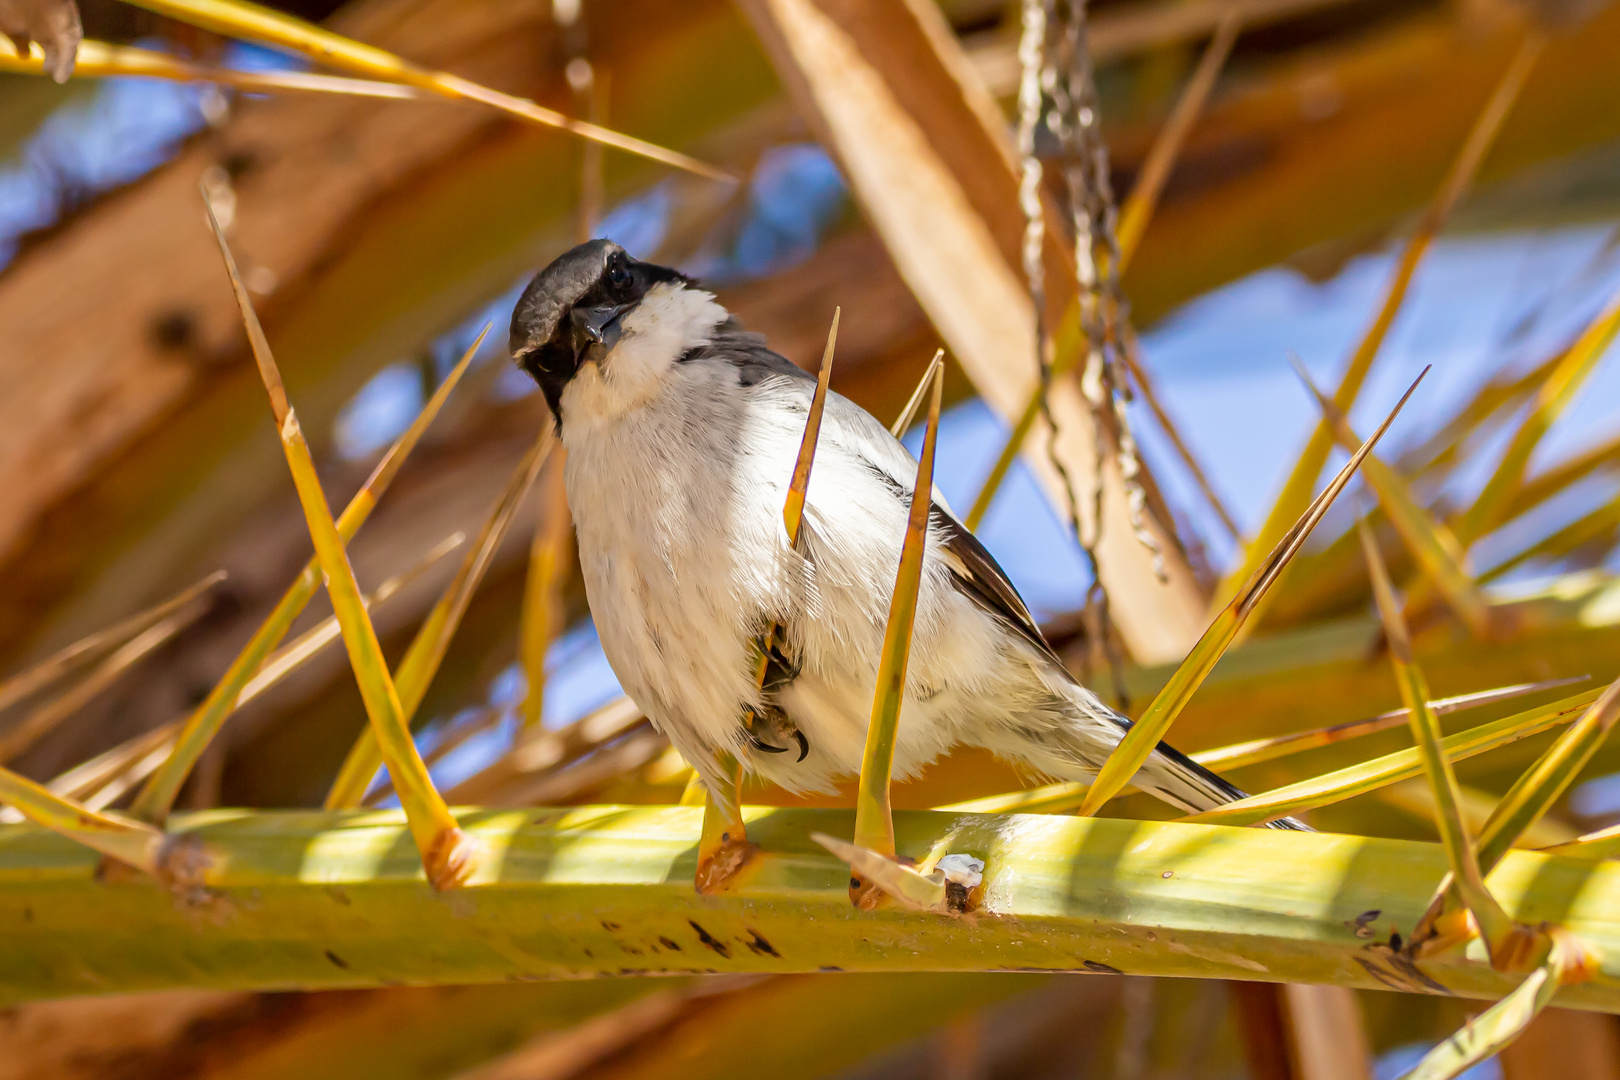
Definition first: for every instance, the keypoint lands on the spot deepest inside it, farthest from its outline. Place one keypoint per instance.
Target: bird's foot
(717, 869)
(723, 848)
(768, 730)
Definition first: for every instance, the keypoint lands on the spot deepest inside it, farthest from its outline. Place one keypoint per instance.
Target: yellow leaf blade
(157, 796)
(1503, 1022)
(902, 423)
(1255, 751)
(1133, 750)
(1368, 776)
(432, 640)
(1160, 162)
(97, 59)
(874, 825)
(1430, 542)
(238, 18)
(438, 837)
(132, 842)
(1460, 852)
(1063, 797)
(59, 663)
(41, 721)
(904, 884)
(542, 607)
(1534, 793)
(1296, 490)
(723, 848)
(793, 508)
(1552, 397)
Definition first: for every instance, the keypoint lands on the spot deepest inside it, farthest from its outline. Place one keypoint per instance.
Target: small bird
(681, 431)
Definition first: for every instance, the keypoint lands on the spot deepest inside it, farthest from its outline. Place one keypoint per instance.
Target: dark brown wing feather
(984, 580)
(975, 568)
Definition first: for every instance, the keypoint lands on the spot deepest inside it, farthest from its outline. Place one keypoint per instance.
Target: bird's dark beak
(596, 327)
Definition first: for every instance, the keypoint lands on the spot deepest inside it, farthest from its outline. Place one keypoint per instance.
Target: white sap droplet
(963, 870)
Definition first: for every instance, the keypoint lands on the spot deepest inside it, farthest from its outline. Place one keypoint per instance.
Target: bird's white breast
(667, 482)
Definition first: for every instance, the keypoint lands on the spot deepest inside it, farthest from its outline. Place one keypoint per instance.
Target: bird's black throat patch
(545, 337)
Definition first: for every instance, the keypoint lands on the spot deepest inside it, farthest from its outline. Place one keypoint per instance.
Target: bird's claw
(764, 747)
(779, 668)
(773, 722)
(769, 720)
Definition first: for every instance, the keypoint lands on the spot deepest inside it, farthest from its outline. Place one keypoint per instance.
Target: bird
(680, 430)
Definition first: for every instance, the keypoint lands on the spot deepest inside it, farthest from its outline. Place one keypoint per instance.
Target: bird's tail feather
(1071, 742)
(1178, 779)
(1167, 774)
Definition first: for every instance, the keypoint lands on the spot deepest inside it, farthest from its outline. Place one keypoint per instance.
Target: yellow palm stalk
(598, 890)
(445, 855)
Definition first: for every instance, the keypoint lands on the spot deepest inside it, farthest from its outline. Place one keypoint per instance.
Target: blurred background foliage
(379, 236)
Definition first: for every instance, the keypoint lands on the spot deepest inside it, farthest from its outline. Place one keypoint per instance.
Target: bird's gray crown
(575, 304)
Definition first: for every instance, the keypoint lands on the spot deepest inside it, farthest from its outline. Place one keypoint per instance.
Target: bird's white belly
(675, 608)
(669, 625)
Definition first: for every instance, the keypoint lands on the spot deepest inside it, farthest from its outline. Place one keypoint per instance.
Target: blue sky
(1221, 361)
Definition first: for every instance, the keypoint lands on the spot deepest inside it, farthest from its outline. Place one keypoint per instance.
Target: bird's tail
(1178, 779)
(1070, 739)
(1066, 732)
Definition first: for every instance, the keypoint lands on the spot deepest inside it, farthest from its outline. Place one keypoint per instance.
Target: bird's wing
(1171, 774)
(859, 432)
(982, 578)
(975, 569)
(749, 354)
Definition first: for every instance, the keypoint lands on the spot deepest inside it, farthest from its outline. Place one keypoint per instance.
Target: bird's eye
(618, 274)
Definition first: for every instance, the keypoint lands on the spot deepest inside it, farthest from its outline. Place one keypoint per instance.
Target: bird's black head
(572, 311)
